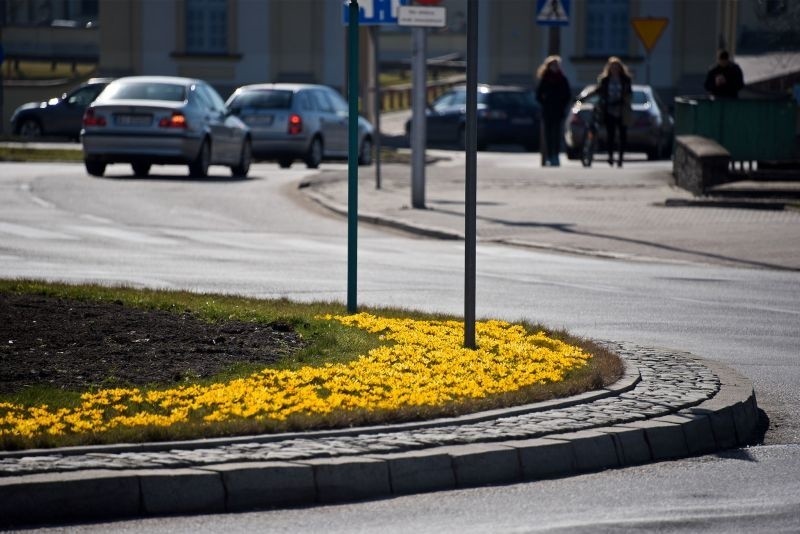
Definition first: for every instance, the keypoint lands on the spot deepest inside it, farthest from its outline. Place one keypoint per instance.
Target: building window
(607, 28)
(64, 13)
(773, 8)
(207, 26)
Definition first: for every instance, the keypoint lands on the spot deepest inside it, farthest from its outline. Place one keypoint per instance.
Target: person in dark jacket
(554, 94)
(615, 91)
(724, 79)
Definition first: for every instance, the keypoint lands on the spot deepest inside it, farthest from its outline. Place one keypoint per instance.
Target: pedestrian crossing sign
(552, 12)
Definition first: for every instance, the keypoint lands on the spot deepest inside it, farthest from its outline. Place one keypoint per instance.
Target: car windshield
(266, 99)
(144, 91)
(640, 97)
(494, 99)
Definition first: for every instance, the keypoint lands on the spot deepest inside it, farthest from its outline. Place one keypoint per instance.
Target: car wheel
(95, 168)
(199, 167)
(241, 169)
(314, 155)
(141, 169)
(365, 152)
(285, 163)
(30, 128)
(462, 138)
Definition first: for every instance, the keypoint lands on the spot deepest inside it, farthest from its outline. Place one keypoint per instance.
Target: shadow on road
(568, 228)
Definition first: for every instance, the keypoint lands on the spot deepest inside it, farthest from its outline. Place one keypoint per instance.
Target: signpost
(419, 18)
(552, 12)
(352, 159)
(428, 17)
(2, 58)
(649, 30)
(374, 13)
(471, 176)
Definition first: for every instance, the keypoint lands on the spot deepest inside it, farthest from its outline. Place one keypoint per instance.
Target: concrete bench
(699, 163)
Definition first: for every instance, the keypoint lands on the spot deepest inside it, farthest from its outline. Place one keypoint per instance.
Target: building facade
(235, 42)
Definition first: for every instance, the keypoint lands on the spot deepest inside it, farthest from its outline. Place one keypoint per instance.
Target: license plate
(133, 120)
(259, 120)
(522, 121)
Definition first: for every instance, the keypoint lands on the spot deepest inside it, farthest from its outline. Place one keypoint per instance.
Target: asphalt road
(260, 237)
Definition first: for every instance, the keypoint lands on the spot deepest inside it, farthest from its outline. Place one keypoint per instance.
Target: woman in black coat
(554, 95)
(615, 89)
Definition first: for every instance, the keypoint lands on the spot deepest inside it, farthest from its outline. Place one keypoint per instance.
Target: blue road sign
(374, 12)
(552, 12)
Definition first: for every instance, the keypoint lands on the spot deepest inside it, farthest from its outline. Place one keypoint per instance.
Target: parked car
(299, 121)
(506, 115)
(147, 120)
(58, 117)
(651, 129)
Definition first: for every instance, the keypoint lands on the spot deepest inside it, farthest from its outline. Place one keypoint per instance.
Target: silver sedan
(146, 120)
(299, 121)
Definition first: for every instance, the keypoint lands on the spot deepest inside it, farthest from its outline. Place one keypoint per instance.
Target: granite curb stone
(718, 411)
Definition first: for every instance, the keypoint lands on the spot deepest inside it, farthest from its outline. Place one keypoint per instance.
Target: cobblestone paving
(671, 381)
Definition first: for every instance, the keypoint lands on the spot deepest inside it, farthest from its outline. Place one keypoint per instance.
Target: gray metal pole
(374, 32)
(419, 84)
(471, 175)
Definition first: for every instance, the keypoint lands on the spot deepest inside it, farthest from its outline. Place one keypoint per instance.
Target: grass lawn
(8, 153)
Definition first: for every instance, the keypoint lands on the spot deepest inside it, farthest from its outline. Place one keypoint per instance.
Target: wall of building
(697, 37)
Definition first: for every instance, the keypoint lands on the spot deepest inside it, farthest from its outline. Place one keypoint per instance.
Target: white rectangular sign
(427, 17)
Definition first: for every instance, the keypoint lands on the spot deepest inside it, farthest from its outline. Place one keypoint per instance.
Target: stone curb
(380, 219)
(726, 420)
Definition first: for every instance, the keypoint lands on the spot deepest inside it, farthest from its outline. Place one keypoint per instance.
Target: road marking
(119, 234)
(32, 233)
(95, 218)
(38, 200)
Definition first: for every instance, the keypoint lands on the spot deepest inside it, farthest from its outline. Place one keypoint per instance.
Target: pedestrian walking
(554, 94)
(724, 79)
(615, 94)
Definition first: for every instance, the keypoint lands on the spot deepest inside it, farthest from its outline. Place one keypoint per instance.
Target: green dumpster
(750, 129)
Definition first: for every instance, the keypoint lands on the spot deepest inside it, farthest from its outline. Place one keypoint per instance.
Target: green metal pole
(352, 160)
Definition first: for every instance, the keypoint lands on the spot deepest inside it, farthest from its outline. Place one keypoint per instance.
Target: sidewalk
(668, 405)
(631, 213)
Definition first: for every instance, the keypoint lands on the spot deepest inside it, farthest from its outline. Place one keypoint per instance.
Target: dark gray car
(299, 121)
(58, 117)
(506, 115)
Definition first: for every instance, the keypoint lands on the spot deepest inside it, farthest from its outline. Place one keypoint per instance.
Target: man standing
(725, 78)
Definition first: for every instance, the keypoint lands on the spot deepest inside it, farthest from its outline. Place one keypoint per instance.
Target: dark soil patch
(76, 345)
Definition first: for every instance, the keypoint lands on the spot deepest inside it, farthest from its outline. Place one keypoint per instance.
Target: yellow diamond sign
(649, 30)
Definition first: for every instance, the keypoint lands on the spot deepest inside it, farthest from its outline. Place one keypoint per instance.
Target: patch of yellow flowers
(422, 363)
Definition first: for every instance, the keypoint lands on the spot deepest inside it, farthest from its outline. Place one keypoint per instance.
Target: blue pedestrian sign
(374, 12)
(552, 12)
